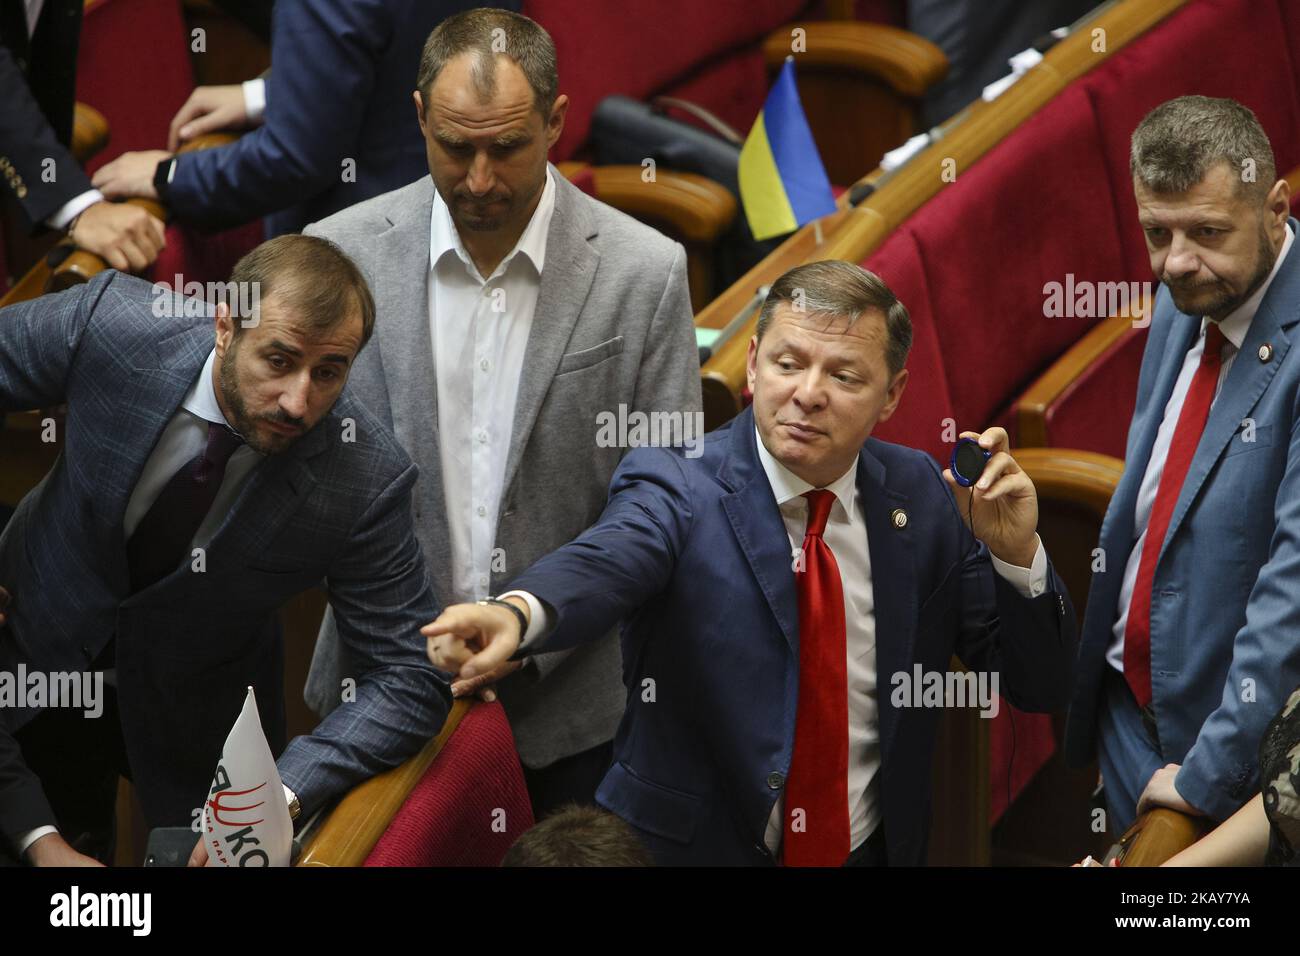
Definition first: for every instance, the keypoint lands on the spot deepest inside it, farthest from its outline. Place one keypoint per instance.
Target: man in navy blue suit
(334, 118)
(782, 594)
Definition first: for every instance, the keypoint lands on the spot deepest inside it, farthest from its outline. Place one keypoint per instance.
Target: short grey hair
(833, 288)
(520, 39)
(1180, 141)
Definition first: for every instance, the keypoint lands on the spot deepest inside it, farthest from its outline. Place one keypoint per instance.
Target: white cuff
(72, 208)
(254, 99)
(1030, 581)
(540, 621)
(31, 836)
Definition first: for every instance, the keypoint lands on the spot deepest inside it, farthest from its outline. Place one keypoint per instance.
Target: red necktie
(1187, 435)
(817, 791)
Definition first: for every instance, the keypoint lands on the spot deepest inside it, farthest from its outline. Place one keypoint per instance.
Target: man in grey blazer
(204, 480)
(517, 317)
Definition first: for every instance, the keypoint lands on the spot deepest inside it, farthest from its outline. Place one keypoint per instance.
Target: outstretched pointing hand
(470, 639)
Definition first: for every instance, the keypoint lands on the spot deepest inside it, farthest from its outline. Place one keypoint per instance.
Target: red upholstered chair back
(926, 402)
(1094, 412)
(470, 806)
(133, 66)
(705, 52)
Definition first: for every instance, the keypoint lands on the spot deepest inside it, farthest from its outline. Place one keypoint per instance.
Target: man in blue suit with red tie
(1192, 637)
(779, 590)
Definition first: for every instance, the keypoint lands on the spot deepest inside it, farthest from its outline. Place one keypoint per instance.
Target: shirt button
(483, 580)
(775, 780)
(483, 365)
(482, 511)
(482, 438)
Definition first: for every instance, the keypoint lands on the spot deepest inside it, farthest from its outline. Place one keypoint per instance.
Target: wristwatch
(162, 176)
(295, 808)
(497, 602)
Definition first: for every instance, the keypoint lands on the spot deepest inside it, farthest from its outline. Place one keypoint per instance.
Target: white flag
(246, 818)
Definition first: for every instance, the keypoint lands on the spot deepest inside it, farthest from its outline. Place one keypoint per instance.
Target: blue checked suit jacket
(188, 646)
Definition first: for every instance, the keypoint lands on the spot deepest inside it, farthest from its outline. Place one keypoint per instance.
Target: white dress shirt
(479, 329)
(846, 536)
(254, 92)
(1234, 328)
(185, 436)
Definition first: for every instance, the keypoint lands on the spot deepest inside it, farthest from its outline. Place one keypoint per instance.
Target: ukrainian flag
(783, 183)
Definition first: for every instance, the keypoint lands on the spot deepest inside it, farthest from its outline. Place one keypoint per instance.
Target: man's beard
(1226, 302)
(244, 422)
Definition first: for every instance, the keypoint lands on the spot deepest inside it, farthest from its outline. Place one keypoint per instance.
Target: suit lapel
(406, 352)
(759, 529)
(566, 281)
(1181, 335)
(893, 581)
(1246, 382)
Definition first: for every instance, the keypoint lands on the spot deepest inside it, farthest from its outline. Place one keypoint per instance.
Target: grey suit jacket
(335, 505)
(613, 326)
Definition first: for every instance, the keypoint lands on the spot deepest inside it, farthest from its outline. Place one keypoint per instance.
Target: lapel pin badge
(1265, 352)
(899, 517)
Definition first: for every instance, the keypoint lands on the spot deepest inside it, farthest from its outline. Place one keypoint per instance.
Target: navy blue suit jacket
(342, 73)
(693, 555)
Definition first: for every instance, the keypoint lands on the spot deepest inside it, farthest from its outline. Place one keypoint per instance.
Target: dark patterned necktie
(162, 538)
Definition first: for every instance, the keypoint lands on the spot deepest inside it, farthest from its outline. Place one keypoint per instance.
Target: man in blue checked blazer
(203, 481)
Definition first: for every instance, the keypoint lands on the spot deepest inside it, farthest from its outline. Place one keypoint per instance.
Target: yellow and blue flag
(783, 184)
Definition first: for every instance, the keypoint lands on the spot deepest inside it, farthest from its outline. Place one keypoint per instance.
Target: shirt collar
(1237, 323)
(201, 400)
(444, 239)
(787, 486)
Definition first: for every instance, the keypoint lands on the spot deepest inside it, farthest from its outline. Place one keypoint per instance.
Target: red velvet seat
(1093, 413)
(469, 807)
(708, 53)
(926, 404)
(139, 105)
